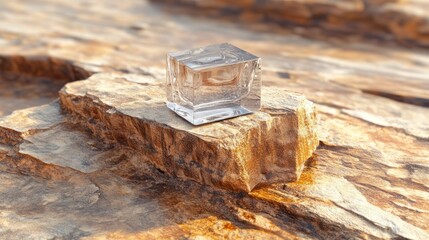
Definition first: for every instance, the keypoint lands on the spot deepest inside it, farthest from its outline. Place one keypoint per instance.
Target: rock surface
(402, 20)
(32, 81)
(269, 146)
(369, 177)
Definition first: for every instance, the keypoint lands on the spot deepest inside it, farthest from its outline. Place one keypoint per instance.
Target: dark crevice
(422, 102)
(28, 81)
(42, 66)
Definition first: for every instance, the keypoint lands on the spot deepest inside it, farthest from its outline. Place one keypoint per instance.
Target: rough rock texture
(25, 122)
(32, 81)
(369, 178)
(269, 146)
(406, 21)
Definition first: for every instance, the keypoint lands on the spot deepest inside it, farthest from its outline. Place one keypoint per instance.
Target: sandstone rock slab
(65, 146)
(266, 147)
(28, 81)
(81, 189)
(21, 123)
(404, 21)
(374, 147)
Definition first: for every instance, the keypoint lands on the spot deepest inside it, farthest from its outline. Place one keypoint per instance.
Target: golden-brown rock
(403, 20)
(368, 179)
(21, 123)
(27, 81)
(265, 147)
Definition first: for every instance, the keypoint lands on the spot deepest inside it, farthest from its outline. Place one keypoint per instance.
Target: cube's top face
(212, 56)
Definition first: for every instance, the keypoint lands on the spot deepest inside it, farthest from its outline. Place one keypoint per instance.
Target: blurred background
(375, 46)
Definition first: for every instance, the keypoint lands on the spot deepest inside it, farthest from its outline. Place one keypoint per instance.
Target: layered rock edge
(54, 148)
(238, 154)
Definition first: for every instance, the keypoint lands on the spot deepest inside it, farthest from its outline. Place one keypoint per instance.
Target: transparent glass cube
(213, 83)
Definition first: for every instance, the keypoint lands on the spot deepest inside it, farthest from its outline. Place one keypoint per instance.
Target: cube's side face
(232, 84)
(251, 92)
(179, 88)
(170, 78)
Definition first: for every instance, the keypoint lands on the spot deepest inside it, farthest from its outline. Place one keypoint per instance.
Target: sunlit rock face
(265, 147)
(368, 179)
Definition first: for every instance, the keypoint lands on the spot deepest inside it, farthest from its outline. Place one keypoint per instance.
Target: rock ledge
(241, 153)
